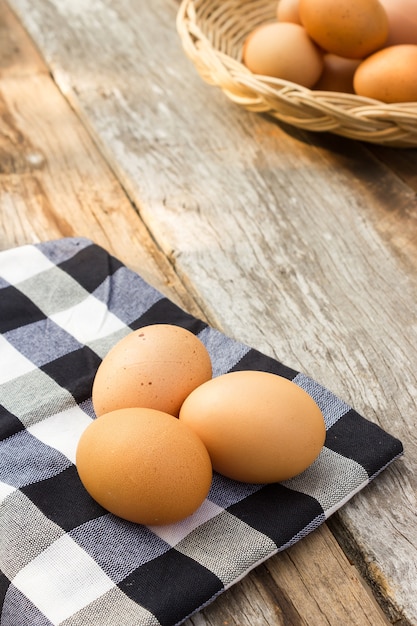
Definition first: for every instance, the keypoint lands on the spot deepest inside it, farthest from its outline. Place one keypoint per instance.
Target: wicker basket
(212, 34)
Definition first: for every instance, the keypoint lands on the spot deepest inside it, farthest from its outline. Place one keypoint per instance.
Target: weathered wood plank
(289, 242)
(19, 56)
(53, 183)
(388, 204)
(402, 162)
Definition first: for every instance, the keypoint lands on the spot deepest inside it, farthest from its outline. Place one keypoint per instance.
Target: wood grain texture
(53, 182)
(19, 55)
(302, 246)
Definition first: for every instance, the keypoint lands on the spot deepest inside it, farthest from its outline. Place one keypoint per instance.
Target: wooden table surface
(302, 245)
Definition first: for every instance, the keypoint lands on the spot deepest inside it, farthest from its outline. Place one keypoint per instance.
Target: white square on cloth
(22, 263)
(5, 490)
(88, 321)
(62, 580)
(12, 362)
(62, 431)
(174, 533)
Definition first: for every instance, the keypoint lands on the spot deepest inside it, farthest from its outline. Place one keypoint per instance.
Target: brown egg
(257, 427)
(287, 11)
(156, 366)
(389, 75)
(283, 50)
(337, 74)
(348, 28)
(402, 21)
(144, 466)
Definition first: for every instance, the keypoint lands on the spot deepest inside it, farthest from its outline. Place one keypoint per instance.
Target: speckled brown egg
(257, 427)
(144, 466)
(389, 75)
(348, 28)
(155, 366)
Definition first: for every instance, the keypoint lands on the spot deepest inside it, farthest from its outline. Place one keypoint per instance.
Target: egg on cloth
(283, 50)
(156, 366)
(144, 466)
(258, 427)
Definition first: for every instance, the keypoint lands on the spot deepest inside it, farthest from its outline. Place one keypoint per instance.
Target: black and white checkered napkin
(65, 560)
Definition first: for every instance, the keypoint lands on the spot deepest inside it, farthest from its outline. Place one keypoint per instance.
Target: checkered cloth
(64, 559)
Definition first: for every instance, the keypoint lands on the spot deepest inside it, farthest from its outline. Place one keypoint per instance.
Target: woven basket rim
(345, 114)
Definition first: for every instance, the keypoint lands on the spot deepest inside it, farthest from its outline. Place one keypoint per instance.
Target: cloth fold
(64, 560)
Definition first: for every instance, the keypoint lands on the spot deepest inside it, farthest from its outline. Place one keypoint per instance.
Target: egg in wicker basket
(213, 33)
